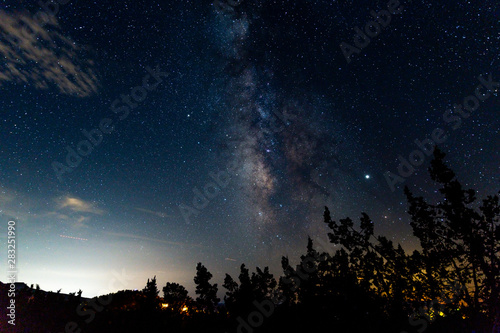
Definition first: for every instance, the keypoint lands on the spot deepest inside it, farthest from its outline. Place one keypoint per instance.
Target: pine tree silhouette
(455, 274)
(176, 296)
(239, 298)
(207, 292)
(151, 292)
(460, 240)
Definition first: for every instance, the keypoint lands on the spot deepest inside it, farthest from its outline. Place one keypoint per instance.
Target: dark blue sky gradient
(228, 80)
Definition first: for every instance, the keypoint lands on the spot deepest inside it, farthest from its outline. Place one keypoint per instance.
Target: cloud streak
(149, 239)
(42, 57)
(159, 214)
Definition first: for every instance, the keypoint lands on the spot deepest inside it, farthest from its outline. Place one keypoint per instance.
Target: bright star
(367, 176)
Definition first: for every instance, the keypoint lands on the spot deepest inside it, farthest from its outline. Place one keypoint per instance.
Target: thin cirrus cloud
(159, 214)
(76, 222)
(42, 56)
(78, 205)
(150, 239)
(80, 222)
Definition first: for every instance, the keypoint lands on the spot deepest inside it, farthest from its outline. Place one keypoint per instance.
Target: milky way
(289, 159)
(256, 92)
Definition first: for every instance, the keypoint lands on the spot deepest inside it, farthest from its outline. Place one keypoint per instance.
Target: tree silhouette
(263, 283)
(324, 289)
(239, 297)
(175, 295)
(368, 283)
(207, 292)
(374, 262)
(460, 240)
(288, 283)
(151, 301)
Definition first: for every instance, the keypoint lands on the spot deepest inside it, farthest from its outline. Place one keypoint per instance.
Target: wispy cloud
(80, 222)
(56, 215)
(78, 205)
(74, 220)
(16, 205)
(5, 197)
(159, 214)
(149, 239)
(32, 54)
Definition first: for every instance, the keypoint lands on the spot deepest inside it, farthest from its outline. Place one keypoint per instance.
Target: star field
(257, 122)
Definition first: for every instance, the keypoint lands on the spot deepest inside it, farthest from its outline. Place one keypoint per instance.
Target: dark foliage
(207, 293)
(369, 284)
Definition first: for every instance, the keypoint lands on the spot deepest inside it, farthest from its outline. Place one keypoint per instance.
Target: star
(252, 134)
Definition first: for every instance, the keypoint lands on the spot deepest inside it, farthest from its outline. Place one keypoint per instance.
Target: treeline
(369, 284)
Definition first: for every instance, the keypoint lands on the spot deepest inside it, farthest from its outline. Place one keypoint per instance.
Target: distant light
(164, 305)
(367, 176)
(184, 308)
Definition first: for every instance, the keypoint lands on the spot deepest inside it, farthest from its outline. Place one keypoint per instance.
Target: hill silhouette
(370, 284)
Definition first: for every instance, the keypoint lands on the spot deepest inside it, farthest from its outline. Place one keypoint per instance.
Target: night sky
(146, 136)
